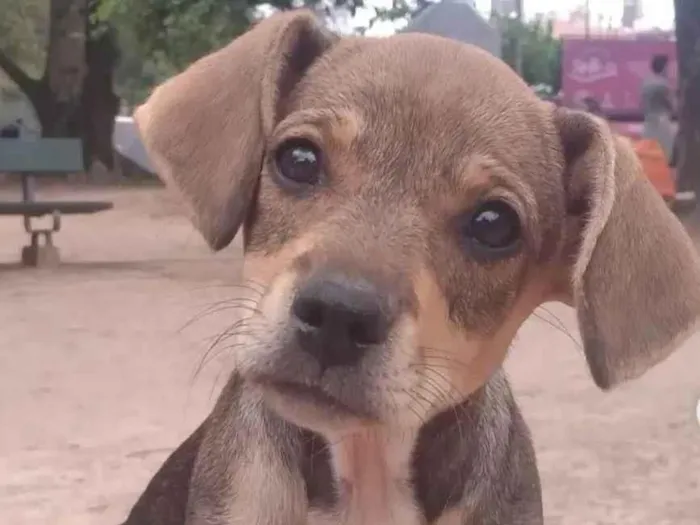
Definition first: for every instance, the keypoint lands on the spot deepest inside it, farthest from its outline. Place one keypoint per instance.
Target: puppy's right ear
(205, 129)
(635, 276)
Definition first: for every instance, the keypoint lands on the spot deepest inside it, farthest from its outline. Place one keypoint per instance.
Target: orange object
(656, 167)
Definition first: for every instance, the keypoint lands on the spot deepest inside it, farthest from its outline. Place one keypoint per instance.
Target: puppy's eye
(494, 225)
(299, 161)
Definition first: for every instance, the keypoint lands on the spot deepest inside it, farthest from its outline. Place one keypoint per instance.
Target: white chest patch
(373, 472)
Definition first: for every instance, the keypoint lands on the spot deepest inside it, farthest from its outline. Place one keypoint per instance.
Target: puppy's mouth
(295, 396)
(306, 394)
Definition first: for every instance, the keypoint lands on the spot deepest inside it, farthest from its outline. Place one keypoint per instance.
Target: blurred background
(69, 68)
(102, 367)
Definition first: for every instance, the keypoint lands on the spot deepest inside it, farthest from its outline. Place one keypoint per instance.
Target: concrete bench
(42, 158)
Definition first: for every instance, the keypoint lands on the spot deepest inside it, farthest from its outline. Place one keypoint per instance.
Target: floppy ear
(205, 129)
(636, 275)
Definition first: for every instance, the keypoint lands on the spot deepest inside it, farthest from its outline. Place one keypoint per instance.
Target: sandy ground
(98, 382)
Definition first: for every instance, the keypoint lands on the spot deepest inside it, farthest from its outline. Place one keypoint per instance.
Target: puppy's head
(406, 203)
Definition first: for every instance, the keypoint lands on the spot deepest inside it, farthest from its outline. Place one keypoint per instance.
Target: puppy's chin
(314, 408)
(336, 401)
(381, 390)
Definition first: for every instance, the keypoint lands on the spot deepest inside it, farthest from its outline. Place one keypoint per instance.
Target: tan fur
(373, 470)
(339, 128)
(259, 480)
(262, 269)
(414, 131)
(345, 129)
(460, 363)
(454, 517)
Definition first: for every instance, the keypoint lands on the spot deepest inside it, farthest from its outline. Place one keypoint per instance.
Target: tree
(178, 31)
(91, 45)
(688, 44)
(70, 90)
(23, 37)
(56, 93)
(532, 48)
(159, 38)
(57, 96)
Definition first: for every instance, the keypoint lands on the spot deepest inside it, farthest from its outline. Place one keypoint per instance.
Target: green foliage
(140, 67)
(178, 31)
(541, 50)
(23, 37)
(158, 38)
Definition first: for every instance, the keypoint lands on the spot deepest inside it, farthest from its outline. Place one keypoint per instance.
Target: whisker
(218, 308)
(456, 401)
(559, 325)
(449, 394)
(229, 332)
(246, 284)
(417, 397)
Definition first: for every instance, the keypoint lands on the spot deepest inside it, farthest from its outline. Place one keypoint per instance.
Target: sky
(656, 13)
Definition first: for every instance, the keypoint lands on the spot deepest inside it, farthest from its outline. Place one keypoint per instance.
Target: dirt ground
(98, 382)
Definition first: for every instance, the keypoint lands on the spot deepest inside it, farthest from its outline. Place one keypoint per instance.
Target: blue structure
(459, 20)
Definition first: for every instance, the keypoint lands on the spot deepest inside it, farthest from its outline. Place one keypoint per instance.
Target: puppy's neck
(372, 468)
(258, 468)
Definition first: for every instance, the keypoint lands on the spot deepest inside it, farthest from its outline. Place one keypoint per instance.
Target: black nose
(337, 318)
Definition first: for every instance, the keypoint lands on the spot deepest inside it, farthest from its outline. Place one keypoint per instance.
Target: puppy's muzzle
(330, 351)
(337, 319)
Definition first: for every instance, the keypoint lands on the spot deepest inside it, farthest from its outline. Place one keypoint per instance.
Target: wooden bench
(31, 159)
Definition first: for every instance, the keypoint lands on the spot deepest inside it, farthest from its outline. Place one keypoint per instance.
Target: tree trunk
(100, 104)
(74, 97)
(65, 72)
(688, 45)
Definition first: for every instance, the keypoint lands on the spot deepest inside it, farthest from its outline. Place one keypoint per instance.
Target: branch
(25, 83)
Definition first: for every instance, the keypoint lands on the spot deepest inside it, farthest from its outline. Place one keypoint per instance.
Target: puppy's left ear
(635, 274)
(206, 129)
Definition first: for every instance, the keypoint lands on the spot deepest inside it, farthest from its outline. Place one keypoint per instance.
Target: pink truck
(611, 70)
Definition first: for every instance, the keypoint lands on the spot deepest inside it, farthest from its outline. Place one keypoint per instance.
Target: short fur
(415, 130)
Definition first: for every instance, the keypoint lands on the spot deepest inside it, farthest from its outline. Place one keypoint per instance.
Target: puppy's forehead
(419, 90)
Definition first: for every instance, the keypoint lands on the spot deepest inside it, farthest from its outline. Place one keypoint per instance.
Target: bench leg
(41, 255)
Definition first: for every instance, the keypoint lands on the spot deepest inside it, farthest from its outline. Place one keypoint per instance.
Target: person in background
(658, 107)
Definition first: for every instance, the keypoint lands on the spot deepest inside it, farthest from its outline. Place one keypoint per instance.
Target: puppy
(405, 204)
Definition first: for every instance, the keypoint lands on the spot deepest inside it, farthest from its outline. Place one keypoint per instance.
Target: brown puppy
(406, 204)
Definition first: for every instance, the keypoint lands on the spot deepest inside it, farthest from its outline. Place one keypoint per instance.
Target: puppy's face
(397, 235)
(403, 220)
